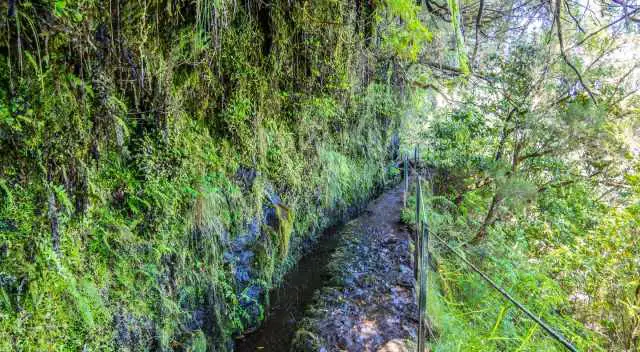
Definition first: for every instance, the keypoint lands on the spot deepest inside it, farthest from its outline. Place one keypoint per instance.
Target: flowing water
(289, 300)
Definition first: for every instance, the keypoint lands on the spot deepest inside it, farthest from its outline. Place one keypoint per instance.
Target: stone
(246, 176)
(395, 345)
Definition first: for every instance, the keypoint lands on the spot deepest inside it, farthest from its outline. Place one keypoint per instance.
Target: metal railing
(421, 259)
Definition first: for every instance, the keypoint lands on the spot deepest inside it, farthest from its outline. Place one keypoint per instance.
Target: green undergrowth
(140, 139)
(467, 314)
(540, 231)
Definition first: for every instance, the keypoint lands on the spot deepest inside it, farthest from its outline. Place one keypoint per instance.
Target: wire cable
(556, 335)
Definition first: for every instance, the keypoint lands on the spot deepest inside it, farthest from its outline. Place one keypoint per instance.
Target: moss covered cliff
(162, 162)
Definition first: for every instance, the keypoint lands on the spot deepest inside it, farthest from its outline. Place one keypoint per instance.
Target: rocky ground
(369, 303)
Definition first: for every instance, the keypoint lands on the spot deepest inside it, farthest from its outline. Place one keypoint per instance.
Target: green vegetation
(141, 141)
(570, 257)
(534, 164)
(163, 162)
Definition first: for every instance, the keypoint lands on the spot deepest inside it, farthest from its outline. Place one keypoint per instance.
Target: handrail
(422, 237)
(556, 335)
(422, 249)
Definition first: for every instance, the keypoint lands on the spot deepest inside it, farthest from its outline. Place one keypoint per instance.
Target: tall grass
(466, 314)
(422, 265)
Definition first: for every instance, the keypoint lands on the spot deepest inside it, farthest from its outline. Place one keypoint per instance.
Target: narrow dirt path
(369, 303)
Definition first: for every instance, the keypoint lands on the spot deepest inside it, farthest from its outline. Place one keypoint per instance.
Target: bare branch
(431, 86)
(622, 79)
(575, 20)
(564, 55)
(478, 19)
(590, 35)
(624, 4)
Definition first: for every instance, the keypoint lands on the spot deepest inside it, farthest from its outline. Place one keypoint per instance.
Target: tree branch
(430, 86)
(535, 154)
(564, 55)
(478, 19)
(590, 35)
(621, 80)
(577, 22)
(452, 70)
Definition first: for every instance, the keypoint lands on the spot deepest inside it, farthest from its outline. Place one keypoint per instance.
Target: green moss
(140, 119)
(306, 341)
(285, 227)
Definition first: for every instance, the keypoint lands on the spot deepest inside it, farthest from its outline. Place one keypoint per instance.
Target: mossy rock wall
(162, 162)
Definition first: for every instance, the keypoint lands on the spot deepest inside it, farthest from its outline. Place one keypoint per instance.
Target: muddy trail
(354, 292)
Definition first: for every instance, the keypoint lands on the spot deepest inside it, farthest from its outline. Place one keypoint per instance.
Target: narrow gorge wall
(163, 162)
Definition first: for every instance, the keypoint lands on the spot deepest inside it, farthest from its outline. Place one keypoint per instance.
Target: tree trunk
(488, 220)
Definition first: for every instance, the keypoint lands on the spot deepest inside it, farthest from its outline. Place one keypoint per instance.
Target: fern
(63, 199)
(5, 195)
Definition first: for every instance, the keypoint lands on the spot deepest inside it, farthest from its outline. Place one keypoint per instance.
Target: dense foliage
(535, 162)
(162, 162)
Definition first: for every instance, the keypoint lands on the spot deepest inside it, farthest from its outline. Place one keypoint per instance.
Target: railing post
(422, 262)
(421, 257)
(406, 178)
(566, 343)
(424, 286)
(418, 228)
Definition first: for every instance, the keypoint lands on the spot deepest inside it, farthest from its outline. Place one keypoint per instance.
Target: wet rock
(271, 194)
(198, 317)
(4, 251)
(215, 313)
(372, 305)
(240, 259)
(250, 300)
(405, 278)
(394, 147)
(269, 210)
(7, 225)
(239, 255)
(7, 280)
(247, 238)
(134, 333)
(246, 176)
(396, 345)
(242, 269)
(166, 279)
(270, 216)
